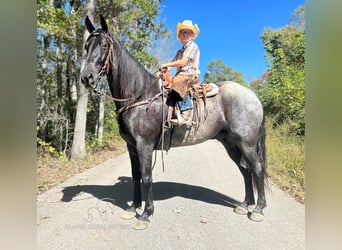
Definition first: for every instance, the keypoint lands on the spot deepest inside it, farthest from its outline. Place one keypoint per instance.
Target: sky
(230, 29)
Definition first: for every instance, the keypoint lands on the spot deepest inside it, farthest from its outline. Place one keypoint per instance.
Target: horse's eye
(105, 46)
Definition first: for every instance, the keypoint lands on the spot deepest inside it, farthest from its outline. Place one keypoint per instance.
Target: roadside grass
(285, 159)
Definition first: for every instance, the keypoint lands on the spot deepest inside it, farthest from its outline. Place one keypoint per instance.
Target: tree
(78, 150)
(290, 40)
(297, 19)
(283, 94)
(52, 44)
(218, 71)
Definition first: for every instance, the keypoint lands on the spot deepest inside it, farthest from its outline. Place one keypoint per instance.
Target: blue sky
(230, 30)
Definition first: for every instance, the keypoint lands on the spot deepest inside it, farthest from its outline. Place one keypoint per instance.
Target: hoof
(141, 225)
(241, 210)
(257, 217)
(128, 214)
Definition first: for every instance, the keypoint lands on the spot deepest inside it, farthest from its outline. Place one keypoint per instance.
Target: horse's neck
(130, 79)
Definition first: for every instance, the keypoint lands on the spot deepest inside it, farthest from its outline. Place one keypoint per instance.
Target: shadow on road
(121, 192)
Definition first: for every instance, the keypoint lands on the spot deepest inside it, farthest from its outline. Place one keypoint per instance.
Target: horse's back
(242, 108)
(236, 90)
(238, 96)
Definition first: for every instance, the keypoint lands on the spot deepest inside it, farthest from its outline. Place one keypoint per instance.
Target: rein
(131, 105)
(136, 104)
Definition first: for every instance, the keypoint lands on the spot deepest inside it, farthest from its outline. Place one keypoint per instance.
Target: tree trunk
(59, 69)
(73, 89)
(101, 119)
(78, 150)
(74, 58)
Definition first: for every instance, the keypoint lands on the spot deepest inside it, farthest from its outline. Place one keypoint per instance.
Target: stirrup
(179, 121)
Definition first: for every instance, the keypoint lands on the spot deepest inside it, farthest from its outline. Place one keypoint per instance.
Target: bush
(284, 99)
(282, 93)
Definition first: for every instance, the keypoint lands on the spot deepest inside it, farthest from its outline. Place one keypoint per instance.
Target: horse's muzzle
(88, 80)
(89, 77)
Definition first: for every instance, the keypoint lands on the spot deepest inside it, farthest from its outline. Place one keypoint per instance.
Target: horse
(235, 118)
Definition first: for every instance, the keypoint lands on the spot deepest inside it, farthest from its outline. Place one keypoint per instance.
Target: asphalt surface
(194, 199)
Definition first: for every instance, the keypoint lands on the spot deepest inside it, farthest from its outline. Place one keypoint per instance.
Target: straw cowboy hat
(187, 25)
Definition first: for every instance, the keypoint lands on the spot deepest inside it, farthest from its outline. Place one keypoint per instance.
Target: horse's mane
(134, 79)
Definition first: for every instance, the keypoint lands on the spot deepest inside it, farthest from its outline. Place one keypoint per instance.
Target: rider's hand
(162, 67)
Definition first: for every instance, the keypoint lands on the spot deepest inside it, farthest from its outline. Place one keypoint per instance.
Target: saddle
(184, 84)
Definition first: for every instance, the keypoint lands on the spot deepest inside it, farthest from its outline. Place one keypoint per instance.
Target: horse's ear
(89, 25)
(103, 24)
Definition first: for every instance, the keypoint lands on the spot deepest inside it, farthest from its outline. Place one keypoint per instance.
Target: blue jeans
(186, 103)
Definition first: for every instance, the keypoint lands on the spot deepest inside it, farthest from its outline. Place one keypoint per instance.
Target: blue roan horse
(235, 118)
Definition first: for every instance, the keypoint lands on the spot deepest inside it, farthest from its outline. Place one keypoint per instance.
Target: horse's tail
(261, 149)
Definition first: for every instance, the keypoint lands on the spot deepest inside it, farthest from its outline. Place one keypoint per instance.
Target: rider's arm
(177, 63)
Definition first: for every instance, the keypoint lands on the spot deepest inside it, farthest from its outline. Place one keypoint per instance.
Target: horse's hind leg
(251, 157)
(236, 155)
(242, 208)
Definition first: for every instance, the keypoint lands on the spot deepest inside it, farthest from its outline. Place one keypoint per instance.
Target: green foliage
(46, 150)
(56, 22)
(283, 95)
(218, 71)
(290, 41)
(111, 133)
(111, 127)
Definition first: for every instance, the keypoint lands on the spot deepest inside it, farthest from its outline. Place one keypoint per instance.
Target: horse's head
(99, 48)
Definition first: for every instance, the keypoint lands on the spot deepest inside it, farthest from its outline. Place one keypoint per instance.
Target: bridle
(109, 58)
(109, 64)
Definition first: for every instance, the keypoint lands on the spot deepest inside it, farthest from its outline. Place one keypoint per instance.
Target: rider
(187, 63)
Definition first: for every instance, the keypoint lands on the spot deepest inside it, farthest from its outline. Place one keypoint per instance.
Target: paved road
(194, 200)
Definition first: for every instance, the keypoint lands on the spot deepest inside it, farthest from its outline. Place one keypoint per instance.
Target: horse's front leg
(146, 177)
(130, 213)
(145, 159)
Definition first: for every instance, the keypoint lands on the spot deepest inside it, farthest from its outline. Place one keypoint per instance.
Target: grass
(285, 158)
